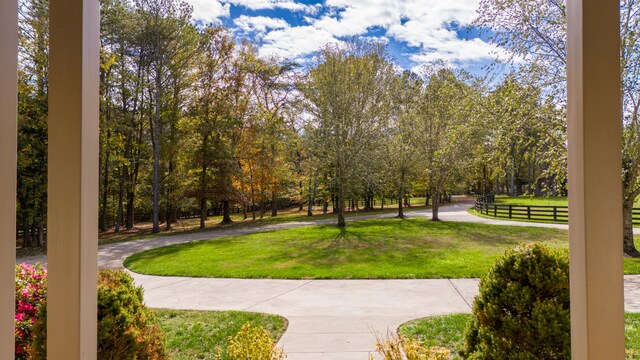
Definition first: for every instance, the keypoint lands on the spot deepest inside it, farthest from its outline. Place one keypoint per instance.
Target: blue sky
(416, 31)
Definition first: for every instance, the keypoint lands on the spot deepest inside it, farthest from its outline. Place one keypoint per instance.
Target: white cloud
(290, 5)
(295, 42)
(209, 11)
(259, 24)
(424, 25)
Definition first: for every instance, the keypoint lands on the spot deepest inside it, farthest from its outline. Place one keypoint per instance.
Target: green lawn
(532, 200)
(381, 248)
(187, 226)
(204, 334)
(538, 200)
(448, 331)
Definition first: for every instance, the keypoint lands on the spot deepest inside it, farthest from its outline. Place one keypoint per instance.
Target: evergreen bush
(522, 310)
(126, 328)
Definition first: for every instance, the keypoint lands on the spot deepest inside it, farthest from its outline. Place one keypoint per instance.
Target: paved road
(328, 319)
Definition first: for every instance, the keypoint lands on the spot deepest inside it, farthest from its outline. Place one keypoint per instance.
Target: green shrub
(522, 311)
(253, 343)
(126, 328)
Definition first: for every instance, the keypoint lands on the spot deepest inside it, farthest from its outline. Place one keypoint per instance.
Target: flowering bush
(31, 290)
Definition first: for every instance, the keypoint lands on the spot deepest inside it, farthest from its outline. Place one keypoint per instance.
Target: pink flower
(20, 316)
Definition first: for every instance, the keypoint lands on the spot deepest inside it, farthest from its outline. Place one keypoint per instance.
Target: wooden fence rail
(486, 205)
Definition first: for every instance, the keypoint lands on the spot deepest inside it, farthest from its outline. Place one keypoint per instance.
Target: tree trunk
(226, 213)
(341, 200)
(105, 187)
(311, 198)
(627, 213)
(203, 212)
(130, 206)
(34, 234)
(120, 201)
(435, 206)
(253, 208)
(310, 201)
(170, 195)
(155, 144)
(169, 219)
(325, 206)
(132, 181)
(400, 210)
(334, 204)
(203, 183)
(41, 233)
(341, 221)
(512, 189)
(156, 188)
(174, 214)
(301, 205)
(274, 202)
(26, 236)
(309, 208)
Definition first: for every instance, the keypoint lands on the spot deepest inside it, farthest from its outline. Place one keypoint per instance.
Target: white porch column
(595, 185)
(73, 179)
(8, 157)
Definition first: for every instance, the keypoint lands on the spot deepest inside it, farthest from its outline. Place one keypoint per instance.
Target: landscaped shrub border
(126, 328)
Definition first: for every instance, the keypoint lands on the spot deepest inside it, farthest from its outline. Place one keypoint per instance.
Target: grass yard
(532, 200)
(525, 200)
(186, 226)
(204, 334)
(448, 331)
(538, 200)
(381, 248)
(367, 249)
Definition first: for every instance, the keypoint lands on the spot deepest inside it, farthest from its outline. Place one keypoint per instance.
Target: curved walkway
(328, 319)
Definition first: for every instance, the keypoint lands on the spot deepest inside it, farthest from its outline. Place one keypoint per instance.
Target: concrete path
(328, 319)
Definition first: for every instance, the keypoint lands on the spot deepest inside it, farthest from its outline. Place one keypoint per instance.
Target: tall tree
(207, 109)
(403, 134)
(165, 27)
(444, 134)
(271, 86)
(347, 94)
(32, 119)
